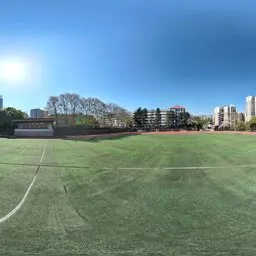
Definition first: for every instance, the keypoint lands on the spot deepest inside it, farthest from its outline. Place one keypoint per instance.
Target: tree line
(243, 126)
(88, 111)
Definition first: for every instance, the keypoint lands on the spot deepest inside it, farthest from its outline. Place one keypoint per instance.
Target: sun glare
(13, 71)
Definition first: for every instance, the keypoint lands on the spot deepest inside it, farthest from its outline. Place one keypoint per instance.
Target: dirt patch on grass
(101, 135)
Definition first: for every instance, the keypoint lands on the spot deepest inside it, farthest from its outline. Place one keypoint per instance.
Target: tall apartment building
(225, 116)
(218, 116)
(240, 116)
(176, 109)
(1, 102)
(250, 108)
(38, 113)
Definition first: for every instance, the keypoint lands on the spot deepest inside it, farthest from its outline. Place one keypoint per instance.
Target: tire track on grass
(66, 217)
(19, 205)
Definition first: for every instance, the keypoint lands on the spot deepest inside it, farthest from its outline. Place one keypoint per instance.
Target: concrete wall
(33, 132)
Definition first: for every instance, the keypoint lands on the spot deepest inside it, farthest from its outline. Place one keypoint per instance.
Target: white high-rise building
(250, 108)
(218, 116)
(225, 116)
(230, 115)
(177, 109)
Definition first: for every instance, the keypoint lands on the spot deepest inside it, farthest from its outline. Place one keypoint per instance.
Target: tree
(129, 122)
(69, 105)
(158, 118)
(85, 106)
(118, 115)
(4, 120)
(63, 103)
(7, 116)
(140, 118)
(74, 102)
(52, 107)
(87, 120)
(95, 107)
(109, 120)
(240, 126)
(144, 118)
(14, 113)
(182, 119)
(170, 118)
(98, 108)
(186, 118)
(125, 118)
(25, 114)
(66, 103)
(137, 118)
(207, 120)
(252, 124)
(198, 123)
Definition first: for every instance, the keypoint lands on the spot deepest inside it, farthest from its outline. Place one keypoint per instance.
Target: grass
(85, 202)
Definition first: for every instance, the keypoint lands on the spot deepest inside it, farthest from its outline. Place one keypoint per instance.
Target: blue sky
(199, 54)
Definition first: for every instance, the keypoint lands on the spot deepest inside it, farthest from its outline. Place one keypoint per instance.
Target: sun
(12, 71)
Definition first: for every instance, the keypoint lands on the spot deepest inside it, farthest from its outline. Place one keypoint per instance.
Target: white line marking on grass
(6, 217)
(195, 168)
(179, 167)
(42, 158)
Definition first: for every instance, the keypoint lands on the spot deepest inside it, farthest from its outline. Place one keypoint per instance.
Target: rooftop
(177, 106)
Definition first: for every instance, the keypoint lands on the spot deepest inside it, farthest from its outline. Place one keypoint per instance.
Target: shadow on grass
(100, 137)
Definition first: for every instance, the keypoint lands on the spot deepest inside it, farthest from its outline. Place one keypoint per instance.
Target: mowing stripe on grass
(179, 167)
(132, 168)
(6, 217)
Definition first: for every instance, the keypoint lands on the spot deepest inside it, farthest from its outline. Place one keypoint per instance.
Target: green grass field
(132, 195)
